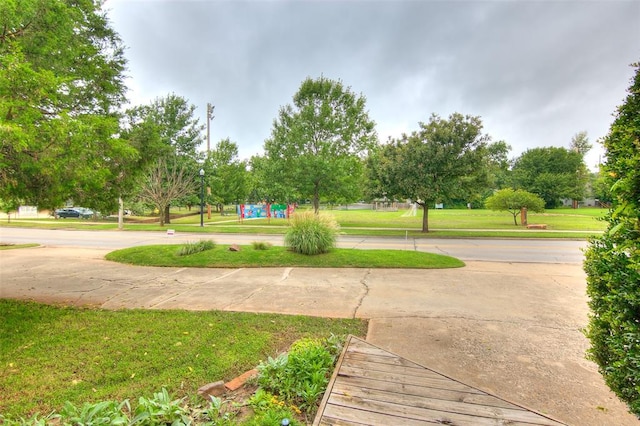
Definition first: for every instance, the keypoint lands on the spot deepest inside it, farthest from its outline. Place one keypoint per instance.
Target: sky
(536, 72)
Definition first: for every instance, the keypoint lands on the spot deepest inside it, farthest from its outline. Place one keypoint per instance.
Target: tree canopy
(317, 141)
(514, 201)
(61, 84)
(446, 159)
(613, 260)
(552, 173)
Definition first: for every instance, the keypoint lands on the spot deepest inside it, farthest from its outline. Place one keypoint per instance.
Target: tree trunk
(167, 215)
(515, 218)
(425, 217)
(161, 210)
(120, 214)
(316, 198)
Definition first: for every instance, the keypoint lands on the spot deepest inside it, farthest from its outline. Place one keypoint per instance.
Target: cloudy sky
(537, 72)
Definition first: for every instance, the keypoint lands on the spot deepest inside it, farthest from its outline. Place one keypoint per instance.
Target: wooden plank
(336, 415)
(363, 410)
(382, 359)
(437, 383)
(446, 407)
(390, 368)
(363, 347)
(468, 397)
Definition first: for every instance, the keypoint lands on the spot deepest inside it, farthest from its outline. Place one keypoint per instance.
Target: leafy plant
(216, 412)
(197, 247)
(161, 410)
(311, 233)
(270, 410)
(94, 414)
(35, 420)
(301, 376)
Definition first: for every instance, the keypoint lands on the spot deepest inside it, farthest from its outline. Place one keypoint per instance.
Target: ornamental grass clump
(261, 245)
(197, 247)
(311, 233)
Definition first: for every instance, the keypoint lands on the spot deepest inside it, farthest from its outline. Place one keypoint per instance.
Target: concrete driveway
(513, 329)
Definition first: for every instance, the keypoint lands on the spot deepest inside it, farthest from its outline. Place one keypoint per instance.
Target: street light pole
(210, 117)
(202, 197)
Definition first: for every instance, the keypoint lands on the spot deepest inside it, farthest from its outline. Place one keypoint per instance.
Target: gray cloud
(537, 72)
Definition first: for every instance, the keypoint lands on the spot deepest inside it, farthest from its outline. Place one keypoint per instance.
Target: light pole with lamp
(202, 197)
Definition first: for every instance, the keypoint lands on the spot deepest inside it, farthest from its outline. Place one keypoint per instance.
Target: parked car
(85, 213)
(79, 212)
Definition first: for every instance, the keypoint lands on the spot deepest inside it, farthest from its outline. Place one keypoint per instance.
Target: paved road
(492, 250)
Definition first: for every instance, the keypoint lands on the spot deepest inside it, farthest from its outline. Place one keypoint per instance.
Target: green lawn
(53, 354)
(222, 257)
(561, 223)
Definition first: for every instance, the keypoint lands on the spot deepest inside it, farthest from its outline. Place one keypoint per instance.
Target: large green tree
(446, 159)
(553, 173)
(316, 141)
(61, 83)
(613, 260)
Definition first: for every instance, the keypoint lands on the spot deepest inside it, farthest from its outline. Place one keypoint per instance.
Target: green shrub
(301, 376)
(612, 261)
(197, 247)
(261, 245)
(311, 234)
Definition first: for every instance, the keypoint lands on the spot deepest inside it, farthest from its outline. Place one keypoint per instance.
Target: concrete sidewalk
(511, 329)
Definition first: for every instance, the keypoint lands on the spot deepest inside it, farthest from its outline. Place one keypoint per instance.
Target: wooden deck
(371, 386)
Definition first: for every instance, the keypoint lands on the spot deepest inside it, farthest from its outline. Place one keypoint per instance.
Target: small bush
(311, 234)
(300, 377)
(261, 245)
(197, 247)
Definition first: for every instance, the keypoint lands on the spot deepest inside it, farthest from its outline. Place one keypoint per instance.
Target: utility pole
(210, 117)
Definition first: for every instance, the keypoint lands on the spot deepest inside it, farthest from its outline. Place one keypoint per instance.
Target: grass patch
(221, 257)
(4, 246)
(53, 354)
